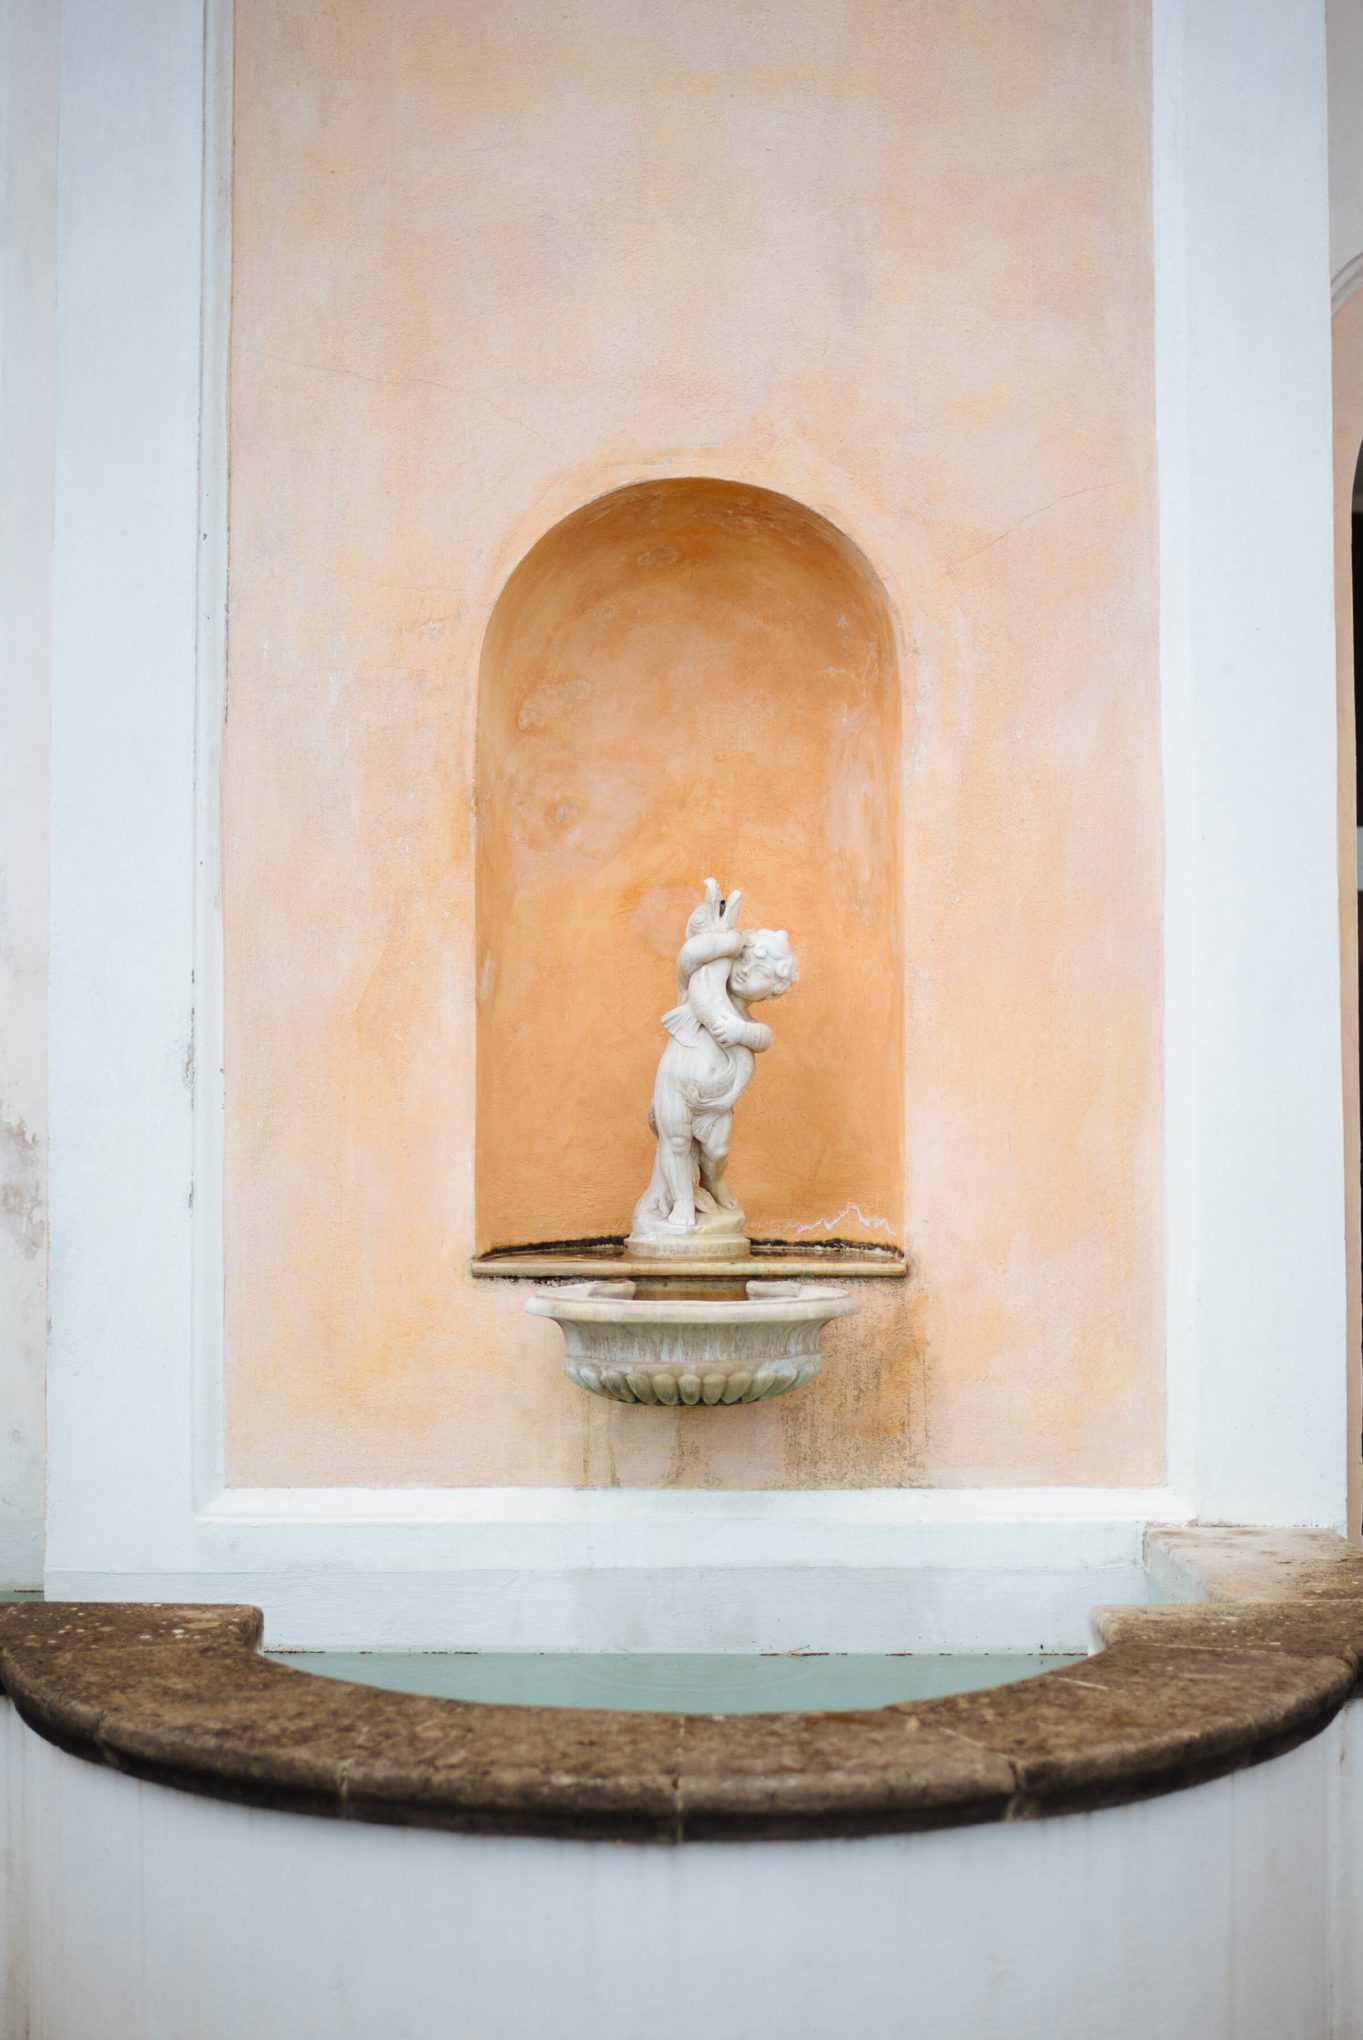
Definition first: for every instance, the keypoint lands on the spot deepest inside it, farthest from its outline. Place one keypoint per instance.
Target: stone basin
(691, 1342)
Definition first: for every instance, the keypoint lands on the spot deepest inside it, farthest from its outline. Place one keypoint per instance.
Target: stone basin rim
(615, 1302)
(1263, 1651)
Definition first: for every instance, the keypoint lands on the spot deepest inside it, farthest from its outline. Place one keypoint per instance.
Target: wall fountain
(690, 1327)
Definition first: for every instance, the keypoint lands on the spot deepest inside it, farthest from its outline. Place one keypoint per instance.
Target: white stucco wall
(1200, 1915)
(29, 31)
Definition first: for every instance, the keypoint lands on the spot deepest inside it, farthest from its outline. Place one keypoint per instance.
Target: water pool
(691, 1683)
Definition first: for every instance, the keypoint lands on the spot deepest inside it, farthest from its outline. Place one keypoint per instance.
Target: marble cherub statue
(705, 1069)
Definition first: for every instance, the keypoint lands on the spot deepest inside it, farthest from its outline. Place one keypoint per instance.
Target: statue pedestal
(716, 1236)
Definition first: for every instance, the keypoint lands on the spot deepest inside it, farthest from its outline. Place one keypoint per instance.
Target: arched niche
(687, 677)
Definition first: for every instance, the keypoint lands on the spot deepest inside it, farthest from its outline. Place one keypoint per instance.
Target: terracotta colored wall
(1347, 339)
(687, 674)
(892, 262)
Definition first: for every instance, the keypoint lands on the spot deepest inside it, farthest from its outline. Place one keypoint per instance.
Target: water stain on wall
(23, 1201)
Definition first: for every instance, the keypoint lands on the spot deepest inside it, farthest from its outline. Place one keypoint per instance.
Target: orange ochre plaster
(516, 291)
(687, 669)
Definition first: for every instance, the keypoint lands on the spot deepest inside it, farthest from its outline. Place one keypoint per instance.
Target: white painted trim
(29, 52)
(21, 1551)
(1255, 1236)
(124, 656)
(799, 1509)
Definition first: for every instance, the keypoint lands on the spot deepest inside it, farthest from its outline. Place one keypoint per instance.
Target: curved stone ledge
(1178, 1695)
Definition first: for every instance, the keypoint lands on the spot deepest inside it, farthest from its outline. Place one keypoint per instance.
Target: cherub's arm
(710, 1002)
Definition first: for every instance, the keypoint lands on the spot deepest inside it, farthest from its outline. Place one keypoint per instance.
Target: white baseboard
(416, 1507)
(873, 1570)
(21, 1551)
(695, 1608)
(626, 1569)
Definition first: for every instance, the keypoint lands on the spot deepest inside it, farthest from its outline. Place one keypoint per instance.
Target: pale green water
(656, 1684)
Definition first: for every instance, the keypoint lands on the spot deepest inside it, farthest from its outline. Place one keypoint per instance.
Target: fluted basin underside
(633, 1346)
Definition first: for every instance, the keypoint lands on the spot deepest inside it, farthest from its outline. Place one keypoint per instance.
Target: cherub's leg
(679, 1173)
(676, 1158)
(714, 1159)
(673, 1123)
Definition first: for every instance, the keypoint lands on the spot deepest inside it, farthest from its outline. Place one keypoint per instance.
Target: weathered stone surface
(1139, 1719)
(1180, 1694)
(877, 1771)
(196, 1707)
(1236, 1562)
(1327, 1626)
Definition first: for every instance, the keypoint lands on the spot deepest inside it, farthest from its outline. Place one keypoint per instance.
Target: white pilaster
(1255, 1185)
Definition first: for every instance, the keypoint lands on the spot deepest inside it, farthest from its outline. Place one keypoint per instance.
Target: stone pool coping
(1264, 1650)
